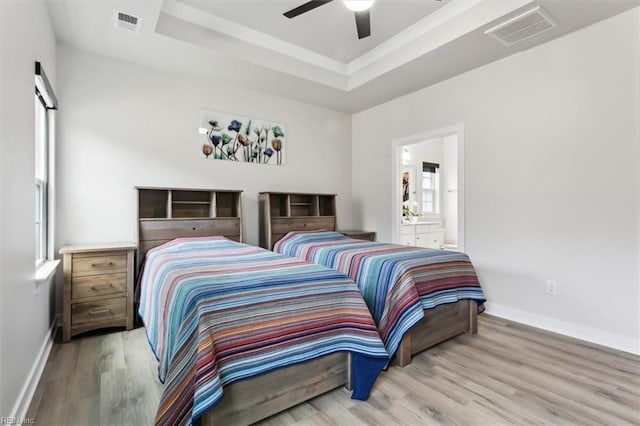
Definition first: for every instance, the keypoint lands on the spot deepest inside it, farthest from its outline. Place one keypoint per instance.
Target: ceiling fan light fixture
(358, 5)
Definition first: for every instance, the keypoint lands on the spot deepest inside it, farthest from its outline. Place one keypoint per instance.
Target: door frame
(396, 167)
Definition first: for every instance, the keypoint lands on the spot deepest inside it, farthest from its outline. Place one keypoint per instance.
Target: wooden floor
(507, 374)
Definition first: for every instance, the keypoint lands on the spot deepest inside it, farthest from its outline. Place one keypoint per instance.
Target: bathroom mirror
(408, 191)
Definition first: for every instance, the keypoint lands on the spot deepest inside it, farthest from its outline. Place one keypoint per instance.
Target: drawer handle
(101, 265)
(100, 311)
(101, 286)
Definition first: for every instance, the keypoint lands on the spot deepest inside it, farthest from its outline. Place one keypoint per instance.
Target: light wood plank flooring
(507, 374)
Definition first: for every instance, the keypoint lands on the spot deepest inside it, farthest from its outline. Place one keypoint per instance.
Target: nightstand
(360, 235)
(98, 287)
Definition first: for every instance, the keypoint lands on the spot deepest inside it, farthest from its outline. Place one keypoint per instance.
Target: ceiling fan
(360, 9)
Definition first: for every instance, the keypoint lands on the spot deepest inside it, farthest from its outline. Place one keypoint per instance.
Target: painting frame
(240, 138)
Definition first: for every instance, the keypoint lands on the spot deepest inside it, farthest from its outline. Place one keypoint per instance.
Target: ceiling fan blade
(363, 23)
(304, 8)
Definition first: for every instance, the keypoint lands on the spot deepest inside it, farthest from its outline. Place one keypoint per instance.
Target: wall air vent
(127, 22)
(522, 27)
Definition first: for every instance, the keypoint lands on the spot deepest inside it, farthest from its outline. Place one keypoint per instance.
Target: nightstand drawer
(360, 235)
(101, 310)
(367, 236)
(99, 264)
(98, 285)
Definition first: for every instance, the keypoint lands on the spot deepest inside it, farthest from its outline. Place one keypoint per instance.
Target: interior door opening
(428, 190)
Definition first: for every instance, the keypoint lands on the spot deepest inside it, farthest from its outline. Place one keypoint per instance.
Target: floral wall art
(242, 139)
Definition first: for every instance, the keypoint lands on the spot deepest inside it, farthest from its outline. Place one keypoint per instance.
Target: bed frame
(439, 324)
(246, 401)
(251, 400)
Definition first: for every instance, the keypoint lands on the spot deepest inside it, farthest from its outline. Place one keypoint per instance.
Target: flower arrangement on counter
(408, 212)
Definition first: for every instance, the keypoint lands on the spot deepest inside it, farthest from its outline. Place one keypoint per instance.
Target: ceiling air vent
(127, 22)
(522, 27)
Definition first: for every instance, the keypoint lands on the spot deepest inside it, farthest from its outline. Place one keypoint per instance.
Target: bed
(418, 297)
(241, 333)
(165, 214)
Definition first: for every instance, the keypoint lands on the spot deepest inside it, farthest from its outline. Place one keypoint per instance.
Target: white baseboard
(577, 331)
(29, 388)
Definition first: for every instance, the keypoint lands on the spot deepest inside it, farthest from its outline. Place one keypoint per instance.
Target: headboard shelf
(168, 213)
(282, 212)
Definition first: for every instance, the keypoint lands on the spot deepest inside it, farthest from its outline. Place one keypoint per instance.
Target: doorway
(428, 189)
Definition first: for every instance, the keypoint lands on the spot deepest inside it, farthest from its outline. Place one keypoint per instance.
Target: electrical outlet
(552, 287)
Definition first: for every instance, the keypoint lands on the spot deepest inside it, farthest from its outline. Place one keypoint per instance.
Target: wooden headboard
(168, 213)
(283, 212)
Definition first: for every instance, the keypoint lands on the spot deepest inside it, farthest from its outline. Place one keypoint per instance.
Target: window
(430, 185)
(45, 102)
(41, 180)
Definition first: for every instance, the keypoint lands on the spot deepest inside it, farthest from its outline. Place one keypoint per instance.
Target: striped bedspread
(396, 281)
(217, 311)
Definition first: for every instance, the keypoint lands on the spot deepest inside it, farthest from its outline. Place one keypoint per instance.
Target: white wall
(124, 125)
(26, 37)
(551, 166)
